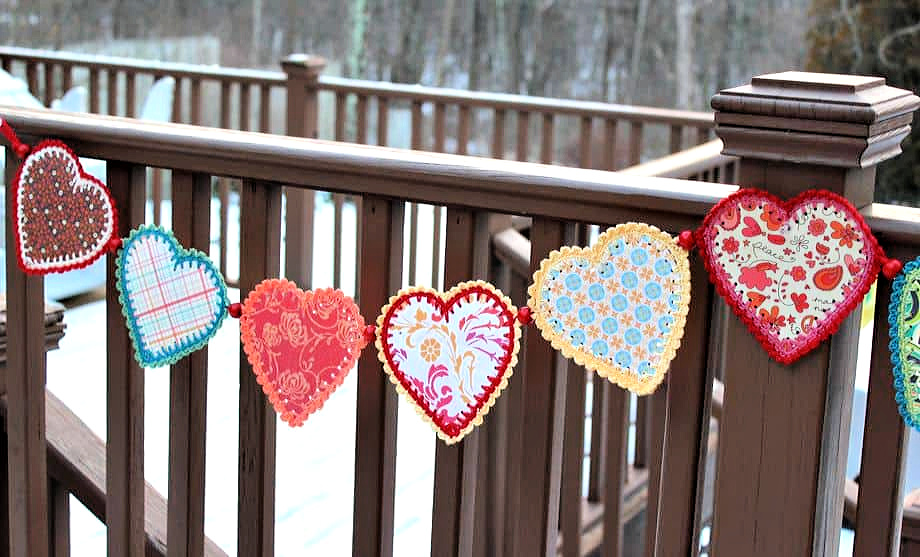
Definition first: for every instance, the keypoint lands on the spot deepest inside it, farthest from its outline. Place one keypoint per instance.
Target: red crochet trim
(836, 317)
(452, 430)
(104, 246)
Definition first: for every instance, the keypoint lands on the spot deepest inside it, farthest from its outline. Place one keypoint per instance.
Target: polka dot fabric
(619, 307)
(64, 217)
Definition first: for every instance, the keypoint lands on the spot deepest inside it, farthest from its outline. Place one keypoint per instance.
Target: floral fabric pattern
(904, 320)
(792, 271)
(451, 354)
(618, 307)
(301, 345)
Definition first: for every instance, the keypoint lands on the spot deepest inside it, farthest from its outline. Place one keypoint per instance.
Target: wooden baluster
(383, 110)
(32, 77)
(361, 109)
(25, 390)
(341, 115)
(124, 463)
(417, 120)
(188, 387)
(130, 94)
(658, 407)
(610, 144)
(546, 139)
(677, 132)
(616, 418)
(112, 91)
(641, 438)
(702, 135)
(176, 110)
(195, 102)
(440, 112)
(244, 106)
(58, 519)
(94, 89)
(498, 133)
(49, 93)
(413, 242)
(455, 466)
(584, 142)
(636, 130)
(463, 129)
(265, 105)
(686, 435)
(596, 464)
(223, 184)
(544, 385)
(66, 78)
(375, 445)
(885, 440)
(4, 483)
(260, 246)
(523, 131)
(7, 64)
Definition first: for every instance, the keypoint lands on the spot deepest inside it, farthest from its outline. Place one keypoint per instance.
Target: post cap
(830, 119)
(308, 64)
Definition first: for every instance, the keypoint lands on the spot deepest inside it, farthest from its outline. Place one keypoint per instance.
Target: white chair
(74, 100)
(158, 104)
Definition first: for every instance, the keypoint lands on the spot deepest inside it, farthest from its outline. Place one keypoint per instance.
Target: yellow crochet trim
(597, 254)
(446, 296)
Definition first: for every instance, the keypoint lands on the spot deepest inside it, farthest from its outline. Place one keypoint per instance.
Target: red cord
(687, 239)
(21, 149)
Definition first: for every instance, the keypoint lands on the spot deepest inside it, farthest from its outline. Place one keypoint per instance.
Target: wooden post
(782, 446)
(302, 78)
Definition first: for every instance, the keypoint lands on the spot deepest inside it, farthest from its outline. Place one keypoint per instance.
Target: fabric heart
(64, 217)
(450, 354)
(904, 321)
(301, 344)
(174, 299)
(618, 307)
(791, 270)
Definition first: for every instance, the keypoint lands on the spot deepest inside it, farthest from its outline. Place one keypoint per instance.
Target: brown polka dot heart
(64, 217)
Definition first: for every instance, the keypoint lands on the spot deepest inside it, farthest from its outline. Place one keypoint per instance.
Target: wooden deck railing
(536, 423)
(501, 126)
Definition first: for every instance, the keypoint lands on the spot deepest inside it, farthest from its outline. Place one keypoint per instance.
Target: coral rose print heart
(449, 353)
(618, 307)
(301, 344)
(791, 270)
(904, 321)
(64, 217)
(174, 299)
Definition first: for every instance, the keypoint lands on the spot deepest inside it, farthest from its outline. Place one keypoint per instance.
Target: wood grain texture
(617, 426)
(25, 383)
(260, 244)
(375, 444)
(124, 387)
(456, 466)
(188, 382)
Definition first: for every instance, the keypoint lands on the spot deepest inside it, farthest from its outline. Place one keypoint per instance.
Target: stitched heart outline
(58, 217)
(814, 255)
(904, 332)
(301, 344)
(615, 278)
(191, 305)
(431, 392)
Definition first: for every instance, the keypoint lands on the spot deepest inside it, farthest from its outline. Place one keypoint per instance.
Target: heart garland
(173, 299)
(450, 354)
(301, 345)
(791, 270)
(65, 218)
(904, 321)
(618, 307)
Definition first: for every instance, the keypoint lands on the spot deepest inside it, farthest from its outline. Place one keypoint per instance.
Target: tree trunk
(638, 44)
(357, 57)
(478, 36)
(683, 54)
(447, 20)
(608, 50)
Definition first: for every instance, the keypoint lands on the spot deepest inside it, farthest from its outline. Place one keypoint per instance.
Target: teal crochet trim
(162, 357)
(910, 273)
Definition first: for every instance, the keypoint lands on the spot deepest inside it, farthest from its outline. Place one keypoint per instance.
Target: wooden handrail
(683, 164)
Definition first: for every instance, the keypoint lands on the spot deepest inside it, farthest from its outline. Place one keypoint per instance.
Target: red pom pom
(114, 244)
(235, 310)
(524, 315)
(22, 150)
(686, 240)
(370, 332)
(891, 268)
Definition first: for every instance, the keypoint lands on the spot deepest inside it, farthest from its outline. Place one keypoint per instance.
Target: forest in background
(669, 53)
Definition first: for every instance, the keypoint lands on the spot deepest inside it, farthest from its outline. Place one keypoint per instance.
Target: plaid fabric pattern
(171, 303)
